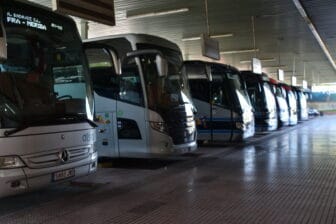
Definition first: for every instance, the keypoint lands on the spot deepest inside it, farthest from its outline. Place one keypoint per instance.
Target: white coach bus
(46, 102)
(141, 97)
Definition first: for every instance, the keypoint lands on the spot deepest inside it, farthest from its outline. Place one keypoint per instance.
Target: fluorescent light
(222, 35)
(158, 13)
(276, 66)
(267, 59)
(191, 38)
(212, 36)
(239, 51)
(263, 59)
(245, 61)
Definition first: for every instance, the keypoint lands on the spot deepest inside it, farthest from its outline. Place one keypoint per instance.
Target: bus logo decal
(64, 156)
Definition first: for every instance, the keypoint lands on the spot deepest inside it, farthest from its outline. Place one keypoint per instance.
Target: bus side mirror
(208, 72)
(3, 47)
(162, 65)
(116, 62)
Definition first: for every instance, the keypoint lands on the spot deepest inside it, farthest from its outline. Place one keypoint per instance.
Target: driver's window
(104, 79)
(219, 92)
(153, 86)
(130, 83)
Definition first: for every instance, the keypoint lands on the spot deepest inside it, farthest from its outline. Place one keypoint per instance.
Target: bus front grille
(181, 125)
(56, 157)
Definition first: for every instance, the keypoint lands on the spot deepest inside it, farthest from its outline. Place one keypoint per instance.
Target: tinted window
(130, 83)
(104, 79)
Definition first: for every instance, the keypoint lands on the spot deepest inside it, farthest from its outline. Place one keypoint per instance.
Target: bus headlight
(159, 126)
(247, 117)
(94, 156)
(240, 126)
(93, 152)
(8, 162)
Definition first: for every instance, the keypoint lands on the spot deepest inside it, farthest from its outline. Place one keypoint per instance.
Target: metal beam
(317, 36)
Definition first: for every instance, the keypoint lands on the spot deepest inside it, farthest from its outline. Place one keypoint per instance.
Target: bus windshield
(270, 100)
(45, 75)
(168, 91)
(292, 100)
(242, 96)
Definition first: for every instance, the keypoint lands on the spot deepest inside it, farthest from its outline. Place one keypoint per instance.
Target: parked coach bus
(224, 112)
(46, 102)
(287, 91)
(141, 97)
(262, 99)
(301, 101)
(282, 107)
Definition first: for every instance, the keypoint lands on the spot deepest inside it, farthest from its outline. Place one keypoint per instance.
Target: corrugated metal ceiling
(280, 31)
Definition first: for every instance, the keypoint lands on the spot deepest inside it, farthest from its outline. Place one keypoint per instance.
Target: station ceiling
(275, 28)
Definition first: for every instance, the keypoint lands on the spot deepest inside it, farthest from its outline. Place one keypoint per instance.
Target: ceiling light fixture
(158, 13)
(267, 59)
(263, 60)
(212, 36)
(222, 35)
(191, 38)
(240, 51)
(275, 66)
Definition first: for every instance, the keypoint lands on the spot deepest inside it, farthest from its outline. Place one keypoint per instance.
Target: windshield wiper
(78, 118)
(62, 117)
(13, 131)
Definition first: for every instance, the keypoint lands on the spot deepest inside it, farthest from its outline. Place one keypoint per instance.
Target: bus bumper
(12, 181)
(185, 148)
(21, 180)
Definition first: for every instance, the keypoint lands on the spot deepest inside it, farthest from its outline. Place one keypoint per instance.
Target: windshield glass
(45, 74)
(256, 95)
(278, 92)
(303, 100)
(240, 92)
(164, 92)
(291, 99)
(270, 100)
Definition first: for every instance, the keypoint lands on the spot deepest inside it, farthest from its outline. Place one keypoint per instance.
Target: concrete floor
(285, 177)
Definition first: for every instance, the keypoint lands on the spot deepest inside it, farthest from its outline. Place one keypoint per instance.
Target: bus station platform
(288, 176)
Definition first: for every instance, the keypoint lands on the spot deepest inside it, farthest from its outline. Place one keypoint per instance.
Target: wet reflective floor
(286, 177)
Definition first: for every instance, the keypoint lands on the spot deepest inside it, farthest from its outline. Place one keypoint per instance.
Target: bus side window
(219, 92)
(104, 79)
(130, 83)
(199, 89)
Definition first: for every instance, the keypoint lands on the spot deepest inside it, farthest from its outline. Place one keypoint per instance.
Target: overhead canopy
(280, 37)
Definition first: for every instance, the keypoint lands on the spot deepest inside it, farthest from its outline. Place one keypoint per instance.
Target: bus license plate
(64, 174)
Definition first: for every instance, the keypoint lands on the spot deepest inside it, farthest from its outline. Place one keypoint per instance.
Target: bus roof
(258, 77)
(133, 39)
(228, 67)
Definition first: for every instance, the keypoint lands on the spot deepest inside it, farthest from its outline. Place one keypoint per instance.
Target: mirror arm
(3, 42)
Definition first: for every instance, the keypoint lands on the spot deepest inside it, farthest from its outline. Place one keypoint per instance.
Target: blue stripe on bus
(219, 119)
(218, 131)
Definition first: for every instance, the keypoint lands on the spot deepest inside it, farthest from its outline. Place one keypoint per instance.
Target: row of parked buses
(62, 101)
(233, 105)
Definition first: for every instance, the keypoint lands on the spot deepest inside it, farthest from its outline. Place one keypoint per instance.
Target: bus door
(200, 88)
(105, 85)
(119, 104)
(131, 111)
